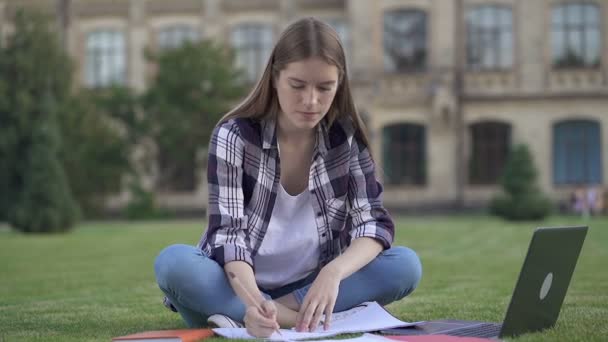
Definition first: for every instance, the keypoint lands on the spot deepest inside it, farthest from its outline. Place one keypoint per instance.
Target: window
(577, 152)
(490, 143)
(576, 35)
(252, 44)
(341, 26)
(489, 38)
(405, 40)
(176, 173)
(105, 62)
(175, 36)
(404, 148)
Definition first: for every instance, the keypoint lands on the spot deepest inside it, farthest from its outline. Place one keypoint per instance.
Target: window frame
(489, 156)
(570, 177)
(474, 36)
(344, 30)
(414, 150)
(568, 29)
(259, 49)
(176, 177)
(105, 48)
(175, 35)
(423, 42)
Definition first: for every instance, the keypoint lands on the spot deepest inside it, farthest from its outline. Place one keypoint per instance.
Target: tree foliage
(100, 129)
(194, 85)
(45, 202)
(34, 193)
(62, 148)
(522, 199)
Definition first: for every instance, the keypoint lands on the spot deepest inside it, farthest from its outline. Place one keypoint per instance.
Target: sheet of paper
(362, 338)
(369, 316)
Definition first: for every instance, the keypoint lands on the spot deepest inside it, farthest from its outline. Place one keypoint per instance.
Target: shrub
(143, 205)
(522, 199)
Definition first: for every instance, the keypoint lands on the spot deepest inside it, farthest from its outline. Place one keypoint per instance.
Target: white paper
(362, 338)
(369, 316)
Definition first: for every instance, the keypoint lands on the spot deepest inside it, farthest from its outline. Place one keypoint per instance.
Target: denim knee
(407, 271)
(168, 264)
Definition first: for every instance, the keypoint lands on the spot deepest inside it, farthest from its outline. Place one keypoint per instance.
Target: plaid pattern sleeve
(226, 238)
(368, 215)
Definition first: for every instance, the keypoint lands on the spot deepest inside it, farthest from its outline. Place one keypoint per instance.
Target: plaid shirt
(243, 177)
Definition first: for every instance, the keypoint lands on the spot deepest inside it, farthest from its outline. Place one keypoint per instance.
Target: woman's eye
(324, 89)
(297, 86)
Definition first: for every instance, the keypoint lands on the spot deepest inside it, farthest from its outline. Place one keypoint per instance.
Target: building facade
(446, 86)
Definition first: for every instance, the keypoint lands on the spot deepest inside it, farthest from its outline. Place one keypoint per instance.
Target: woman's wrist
(334, 268)
(358, 254)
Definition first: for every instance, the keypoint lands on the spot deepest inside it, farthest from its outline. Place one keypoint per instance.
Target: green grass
(97, 281)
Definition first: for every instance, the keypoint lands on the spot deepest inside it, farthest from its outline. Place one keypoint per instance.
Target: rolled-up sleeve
(368, 215)
(227, 232)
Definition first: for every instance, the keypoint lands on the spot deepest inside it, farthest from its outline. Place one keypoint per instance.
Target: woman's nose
(311, 97)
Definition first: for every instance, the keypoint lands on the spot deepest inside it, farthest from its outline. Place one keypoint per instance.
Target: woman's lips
(309, 116)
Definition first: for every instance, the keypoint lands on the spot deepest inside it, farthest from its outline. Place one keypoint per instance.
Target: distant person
(295, 208)
(578, 201)
(587, 201)
(595, 200)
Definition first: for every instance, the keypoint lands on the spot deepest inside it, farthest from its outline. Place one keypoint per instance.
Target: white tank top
(290, 249)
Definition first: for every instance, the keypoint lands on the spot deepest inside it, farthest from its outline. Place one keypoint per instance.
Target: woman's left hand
(319, 300)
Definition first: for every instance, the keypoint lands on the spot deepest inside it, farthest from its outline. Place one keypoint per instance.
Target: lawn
(97, 281)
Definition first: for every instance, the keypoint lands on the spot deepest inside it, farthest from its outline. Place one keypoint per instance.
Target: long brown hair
(303, 39)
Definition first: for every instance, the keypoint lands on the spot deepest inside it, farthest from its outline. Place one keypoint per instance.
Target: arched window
(577, 155)
(489, 37)
(405, 40)
(175, 36)
(105, 61)
(404, 149)
(490, 142)
(576, 35)
(252, 44)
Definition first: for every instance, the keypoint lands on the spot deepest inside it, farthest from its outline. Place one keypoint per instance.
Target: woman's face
(306, 90)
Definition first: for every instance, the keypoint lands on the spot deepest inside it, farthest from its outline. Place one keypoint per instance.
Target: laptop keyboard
(478, 330)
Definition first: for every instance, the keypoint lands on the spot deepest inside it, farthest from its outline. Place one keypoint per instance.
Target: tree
(100, 129)
(34, 193)
(522, 199)
(194, 86)
(45, 202)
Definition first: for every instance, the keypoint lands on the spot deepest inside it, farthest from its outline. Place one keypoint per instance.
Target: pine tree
(45, 202)
(34, 193)
(522, 199)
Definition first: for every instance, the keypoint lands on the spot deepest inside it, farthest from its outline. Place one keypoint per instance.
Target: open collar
(269, 136)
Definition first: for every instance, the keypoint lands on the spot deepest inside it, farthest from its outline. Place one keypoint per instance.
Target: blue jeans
(198, 287)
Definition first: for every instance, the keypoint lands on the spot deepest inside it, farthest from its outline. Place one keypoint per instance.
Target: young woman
(295, 210)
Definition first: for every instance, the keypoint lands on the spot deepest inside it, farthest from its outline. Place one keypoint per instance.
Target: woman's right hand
(264, 323)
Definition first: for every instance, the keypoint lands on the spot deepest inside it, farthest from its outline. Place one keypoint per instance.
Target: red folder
(181, 335)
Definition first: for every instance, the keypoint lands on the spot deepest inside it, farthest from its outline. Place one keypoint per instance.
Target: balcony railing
(577, 80)
(398, 89)
(489, 83)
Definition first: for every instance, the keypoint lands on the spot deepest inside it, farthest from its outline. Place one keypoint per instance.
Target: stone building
(446, 86)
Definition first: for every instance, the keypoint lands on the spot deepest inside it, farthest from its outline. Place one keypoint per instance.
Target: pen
(243, 289)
